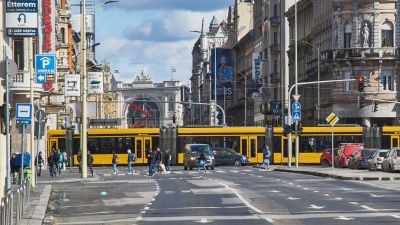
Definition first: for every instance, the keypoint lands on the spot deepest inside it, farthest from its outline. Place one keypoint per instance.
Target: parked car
(345, 151)
(192, 153)
(326, 157)
(227, 156)
(375, 163)
(360, 158)
(391, 162)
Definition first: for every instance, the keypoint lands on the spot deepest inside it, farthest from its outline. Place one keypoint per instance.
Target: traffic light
(375, 106)
(300, 129)
(361, 83)
(286, 129)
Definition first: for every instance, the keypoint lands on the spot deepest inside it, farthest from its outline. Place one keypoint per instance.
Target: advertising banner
(224, 73)
(22, 18)
(72, 85)
(95, 82)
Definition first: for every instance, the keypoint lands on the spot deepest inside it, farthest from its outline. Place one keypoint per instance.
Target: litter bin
(28, 173)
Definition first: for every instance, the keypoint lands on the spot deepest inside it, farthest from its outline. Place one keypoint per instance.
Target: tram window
(261, 144)
(93, 146)
(147, 144)
(76, 146)
(244, 146)
(276, 145)
(233, 143)
(385, 143)
(123, 144)
(156, 142)
(139, 148)
(395, 142)
(61, 144)
(107, 145)
(253, 149)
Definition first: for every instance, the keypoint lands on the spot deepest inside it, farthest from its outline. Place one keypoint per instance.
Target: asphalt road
(227, 195)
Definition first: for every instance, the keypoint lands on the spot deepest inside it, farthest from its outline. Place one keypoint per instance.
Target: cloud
(191, 5)
(176, 25)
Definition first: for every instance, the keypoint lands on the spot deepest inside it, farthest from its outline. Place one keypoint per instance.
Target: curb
(71, 180)
(338, 177)
(39, 211)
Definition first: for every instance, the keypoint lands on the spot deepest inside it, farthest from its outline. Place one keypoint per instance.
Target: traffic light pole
(289, 143)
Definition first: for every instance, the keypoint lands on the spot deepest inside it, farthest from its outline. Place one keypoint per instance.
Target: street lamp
(318, 77)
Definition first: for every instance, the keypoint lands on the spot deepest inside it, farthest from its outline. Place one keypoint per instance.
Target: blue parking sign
(45, 64)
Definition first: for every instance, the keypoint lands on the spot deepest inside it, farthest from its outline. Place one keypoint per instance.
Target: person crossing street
(131, 160)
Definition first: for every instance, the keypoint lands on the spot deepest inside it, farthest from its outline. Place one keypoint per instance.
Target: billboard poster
(95, 82)
(224, 73)
(72, 85)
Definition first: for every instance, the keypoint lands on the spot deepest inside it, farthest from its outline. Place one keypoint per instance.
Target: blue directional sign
(40, 78)
(296, 106)
(296, 116)
(276, 108)
(45, 64)
(21, 18)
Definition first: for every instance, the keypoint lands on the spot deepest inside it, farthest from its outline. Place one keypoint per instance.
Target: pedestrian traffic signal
(375, 106)
(361, 83)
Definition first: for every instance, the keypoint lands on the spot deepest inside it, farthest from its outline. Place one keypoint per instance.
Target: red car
(326, 157)
(343, 156)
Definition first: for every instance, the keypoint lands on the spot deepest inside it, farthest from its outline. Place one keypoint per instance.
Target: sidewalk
(38, 204)
(69, 175)
(340, 173)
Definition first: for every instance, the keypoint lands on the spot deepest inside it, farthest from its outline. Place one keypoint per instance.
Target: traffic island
(340, 173)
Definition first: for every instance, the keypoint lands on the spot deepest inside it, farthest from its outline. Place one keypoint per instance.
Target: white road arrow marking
(203, 220)
(316, 207)
(343, 218)
(274, 191)
(376, 196)
(369, 208)
(327, 195)
(292, 198)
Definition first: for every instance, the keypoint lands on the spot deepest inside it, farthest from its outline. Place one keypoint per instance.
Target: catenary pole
(84, 87)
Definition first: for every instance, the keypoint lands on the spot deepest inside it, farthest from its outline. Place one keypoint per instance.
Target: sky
(153, 35)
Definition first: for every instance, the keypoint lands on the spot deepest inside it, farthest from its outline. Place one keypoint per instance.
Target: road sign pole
(32, 136)
(21, 171)
(333, 164)
(297, 144)
(7, 126)
(289, 139)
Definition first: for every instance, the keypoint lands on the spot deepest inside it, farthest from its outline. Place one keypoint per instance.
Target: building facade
(355, 38)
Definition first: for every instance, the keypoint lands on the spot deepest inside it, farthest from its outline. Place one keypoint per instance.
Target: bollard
(11, 207)
(18, 212)
(2, 212)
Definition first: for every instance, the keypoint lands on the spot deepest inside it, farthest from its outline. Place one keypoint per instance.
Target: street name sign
(22, 18)
(332, 119)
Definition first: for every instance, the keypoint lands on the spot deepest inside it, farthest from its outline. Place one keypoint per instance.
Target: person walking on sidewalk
(115, 162)
(131, 160)
(266, 155)
(39, 163)
(90, 163)
(167, 160)
(151, 161)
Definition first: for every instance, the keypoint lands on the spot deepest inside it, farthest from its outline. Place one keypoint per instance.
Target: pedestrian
(90, 163)
(158, 158)
(167, 160)
(14, 168)
(131, 160)
(266, 155)
(202, 161)
(52, 161)
(115, 162)
(65, 157)
(79, 157)
(39, 163)
(60, 161)
(150, 161)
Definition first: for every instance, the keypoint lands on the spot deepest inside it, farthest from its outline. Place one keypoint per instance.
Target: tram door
(142, 144)
(394, 141)
(248, 147)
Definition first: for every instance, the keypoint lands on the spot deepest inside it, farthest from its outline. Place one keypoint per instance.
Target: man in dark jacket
(167, 160)
(90, 162)
(151, 161)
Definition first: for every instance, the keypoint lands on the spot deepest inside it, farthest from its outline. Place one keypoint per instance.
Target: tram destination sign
(22, 18)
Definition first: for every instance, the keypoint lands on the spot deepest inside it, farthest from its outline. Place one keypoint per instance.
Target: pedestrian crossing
(144, 172)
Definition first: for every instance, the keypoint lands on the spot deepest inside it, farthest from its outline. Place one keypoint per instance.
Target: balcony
(21, 82)
(275, 20)
(360, 53)
(275, 48)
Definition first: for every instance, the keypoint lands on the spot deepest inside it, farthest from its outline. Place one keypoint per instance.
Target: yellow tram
(248, 141)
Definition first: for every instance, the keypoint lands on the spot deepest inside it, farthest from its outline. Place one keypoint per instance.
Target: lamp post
(318, 78)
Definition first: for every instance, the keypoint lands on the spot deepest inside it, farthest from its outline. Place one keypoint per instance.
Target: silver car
(375, 162)
(391, 162)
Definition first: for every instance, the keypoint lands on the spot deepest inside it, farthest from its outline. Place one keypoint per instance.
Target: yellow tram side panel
(105, 159)
(112, 131)
(220, 131)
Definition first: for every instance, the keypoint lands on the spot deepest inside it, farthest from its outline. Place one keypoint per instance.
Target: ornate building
(355, 38)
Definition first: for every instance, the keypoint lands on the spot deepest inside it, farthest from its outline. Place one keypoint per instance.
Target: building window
(19, 53)
(275, 10)
(171, 104)
(62, 33)
(275, 38)
(387, 81)
(387, 34)
(275, 66)
(347, 35)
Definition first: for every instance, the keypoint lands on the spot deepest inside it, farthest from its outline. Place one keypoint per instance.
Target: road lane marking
(316, 207)
(354, 203)
(376, 196)
(269, 219)
(327, 195)
(305, 188)
(185, 191)
(241, 198)
(396, 216)
(369, 208)
(292, 198)
(274, 191)
(146, 208)
(203, 220)
(343, 218)
(315, 191)
(169, 192)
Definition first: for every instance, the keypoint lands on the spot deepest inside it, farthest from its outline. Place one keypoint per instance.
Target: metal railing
(22, 202)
